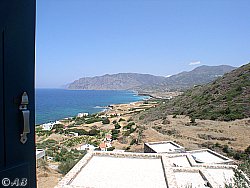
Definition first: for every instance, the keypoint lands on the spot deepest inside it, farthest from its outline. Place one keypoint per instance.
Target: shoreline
(103, 109)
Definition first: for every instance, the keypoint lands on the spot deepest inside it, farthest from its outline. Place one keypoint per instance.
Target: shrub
(111, 148)
(58, 126)
(126, 133)
(247, 151)
(65, 167)
(192, 120)
(93, 120)
(217, 145)
(114, 136)
(239, 88)
(94, 132)
(127, 148)
(141, 117)
(79, 131)
(172, 132)
(129, 125)
(121, 119)
(165, 121)
(132, 130)
(130, 119)
(106, 121)
(225, 149)
(237, 156)
(115, 131)
(133, 141)
(117, 126)
(239, 180)
(227, 111)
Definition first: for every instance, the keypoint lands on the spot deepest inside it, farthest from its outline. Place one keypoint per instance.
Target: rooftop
(40, 153)
(190, 179)
(221, 175)
(164, 147)
(112, 172)
(180, 161)
(116, 169)
(209, 157)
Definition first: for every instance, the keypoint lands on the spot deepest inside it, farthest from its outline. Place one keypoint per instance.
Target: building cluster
(162, 165)
(103, 146)
(106, 143)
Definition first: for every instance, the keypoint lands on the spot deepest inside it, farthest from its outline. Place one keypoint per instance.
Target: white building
(108, 137)
(73, 134)
(80, 115)
(40, 153)
(50, 158)
(48, 126)
(103, 146)
(87, 147)
(163, 147)
(141, 170)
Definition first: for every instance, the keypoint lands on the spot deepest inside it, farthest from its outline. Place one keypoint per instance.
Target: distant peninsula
(146, 82)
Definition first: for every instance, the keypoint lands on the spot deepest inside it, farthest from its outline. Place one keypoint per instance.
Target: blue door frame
(17, 68)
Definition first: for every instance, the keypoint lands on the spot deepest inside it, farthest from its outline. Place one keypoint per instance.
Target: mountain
(147, 82)
(227, 98)
(121, 81)
(200, 75)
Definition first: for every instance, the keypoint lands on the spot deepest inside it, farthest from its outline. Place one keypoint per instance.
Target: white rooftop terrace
(123, 169)
(165, 147)
(112, 170)
(121, 172)
(180, 161)
(40, 153)
(209, 157)
(190, 179)
(222, 176)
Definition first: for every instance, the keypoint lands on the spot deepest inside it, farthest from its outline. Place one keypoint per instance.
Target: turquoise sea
(55, 104)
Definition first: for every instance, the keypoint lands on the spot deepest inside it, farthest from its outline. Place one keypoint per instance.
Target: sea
(56, 104)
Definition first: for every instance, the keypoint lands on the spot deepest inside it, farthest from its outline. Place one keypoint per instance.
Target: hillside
(227, 98)
(199, 76)
(146, 82)
(121, 81)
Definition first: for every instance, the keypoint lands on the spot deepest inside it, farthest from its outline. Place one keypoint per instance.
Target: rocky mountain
(121, 81)
(200, 75)
(227, 98)
(147, 82)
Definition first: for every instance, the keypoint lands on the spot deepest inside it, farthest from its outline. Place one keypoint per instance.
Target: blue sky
(77, 38)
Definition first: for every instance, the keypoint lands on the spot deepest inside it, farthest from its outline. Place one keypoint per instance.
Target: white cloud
(195, 63)
(169, 75)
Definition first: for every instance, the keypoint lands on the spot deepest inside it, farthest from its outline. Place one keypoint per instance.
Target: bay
(56, 104)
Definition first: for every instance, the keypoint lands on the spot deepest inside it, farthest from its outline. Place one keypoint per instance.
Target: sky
(82, 38)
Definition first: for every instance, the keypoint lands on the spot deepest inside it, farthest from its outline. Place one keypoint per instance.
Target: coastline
(101, 109)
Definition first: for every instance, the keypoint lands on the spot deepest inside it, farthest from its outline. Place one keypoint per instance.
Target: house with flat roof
(163, 165)
(163, 147)
(128, 170)
(142, 170)
(87, 147)
(80, 115)
(40, 153)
